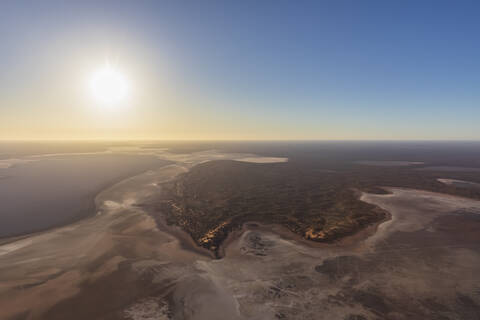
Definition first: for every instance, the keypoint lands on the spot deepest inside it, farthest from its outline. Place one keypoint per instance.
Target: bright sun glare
(108, 85)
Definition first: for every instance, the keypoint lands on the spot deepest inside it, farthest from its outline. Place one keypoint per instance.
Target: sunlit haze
(108, 85)
(222, 70)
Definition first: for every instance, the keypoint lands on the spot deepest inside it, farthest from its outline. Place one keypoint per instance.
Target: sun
(108, 85)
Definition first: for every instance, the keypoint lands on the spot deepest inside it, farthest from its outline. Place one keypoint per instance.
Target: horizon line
(233, 140)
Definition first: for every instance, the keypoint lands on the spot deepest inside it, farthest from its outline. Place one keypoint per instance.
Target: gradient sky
(243, 69)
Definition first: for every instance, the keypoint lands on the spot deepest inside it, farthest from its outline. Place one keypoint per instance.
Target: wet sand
(459, 183)
(420, 264)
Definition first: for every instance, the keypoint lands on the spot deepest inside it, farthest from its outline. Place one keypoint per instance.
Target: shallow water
(46, 192)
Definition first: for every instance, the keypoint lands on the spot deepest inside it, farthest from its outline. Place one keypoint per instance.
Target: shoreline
(284, 233)
(90, 212)
(184, 238)
(188, 243)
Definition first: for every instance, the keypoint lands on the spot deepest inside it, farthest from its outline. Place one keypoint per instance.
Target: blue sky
(246, 69)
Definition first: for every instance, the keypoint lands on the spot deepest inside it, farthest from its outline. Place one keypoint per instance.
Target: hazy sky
(242, 69)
